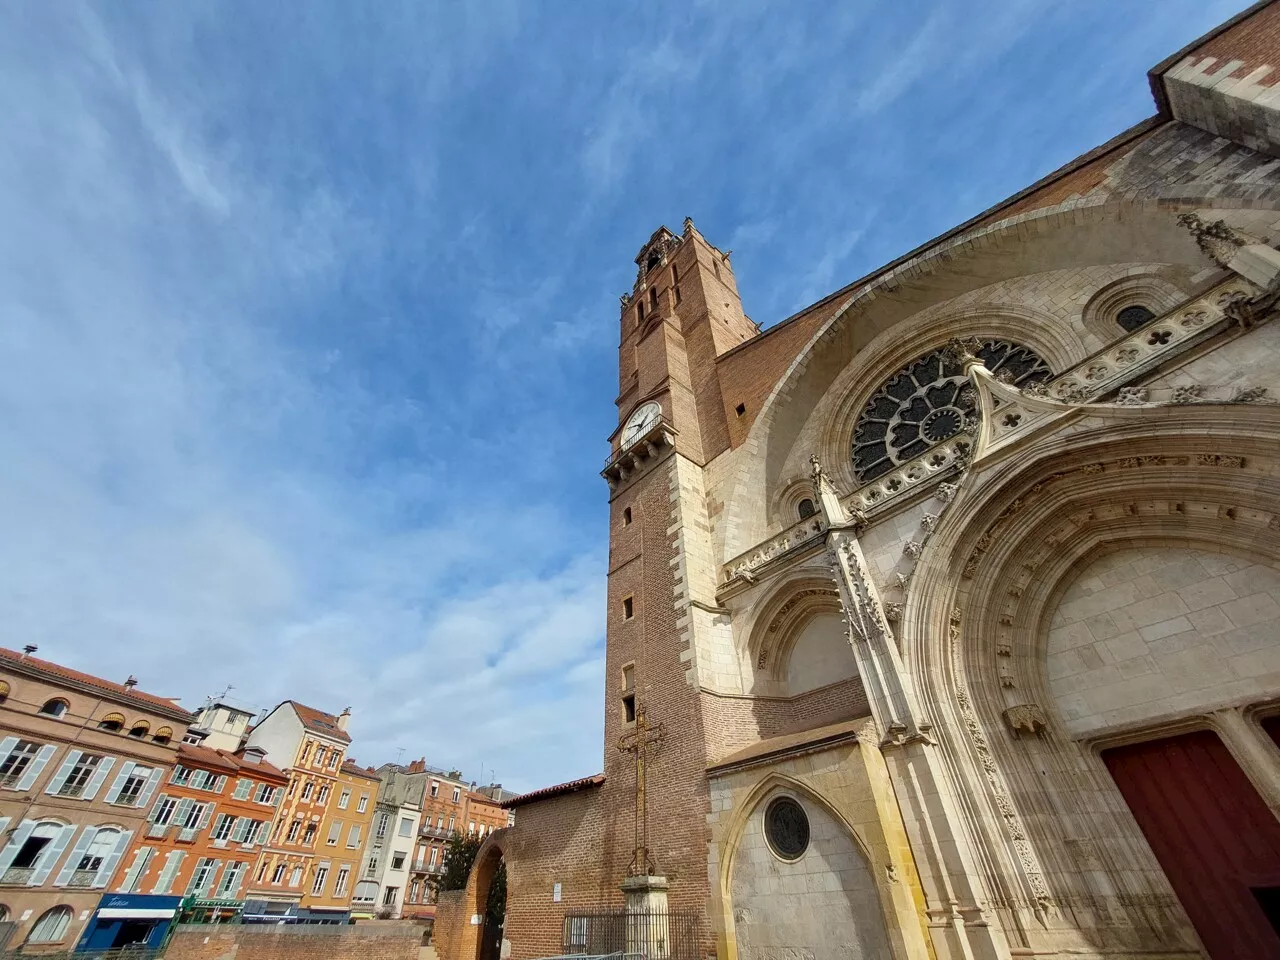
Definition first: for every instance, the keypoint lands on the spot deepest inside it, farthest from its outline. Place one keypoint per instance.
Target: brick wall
(383, 941)
(452, 934)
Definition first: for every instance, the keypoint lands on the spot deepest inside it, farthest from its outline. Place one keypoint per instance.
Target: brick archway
(457, 937)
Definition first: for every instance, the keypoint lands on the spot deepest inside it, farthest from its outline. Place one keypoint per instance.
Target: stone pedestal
(648, 929)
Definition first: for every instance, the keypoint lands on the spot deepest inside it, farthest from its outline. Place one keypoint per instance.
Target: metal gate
(658, 935)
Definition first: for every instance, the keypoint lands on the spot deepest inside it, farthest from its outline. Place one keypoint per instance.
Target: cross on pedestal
(640, 741)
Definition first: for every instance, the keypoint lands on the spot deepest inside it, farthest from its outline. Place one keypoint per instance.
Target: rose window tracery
(931, 400)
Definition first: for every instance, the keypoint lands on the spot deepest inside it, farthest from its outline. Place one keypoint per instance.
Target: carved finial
(964, 351)
(625, 300)
(688, 225)
(1217, 240)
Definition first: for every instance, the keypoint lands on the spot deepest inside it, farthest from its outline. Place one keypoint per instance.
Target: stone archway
(1060, 850)
(821, 901)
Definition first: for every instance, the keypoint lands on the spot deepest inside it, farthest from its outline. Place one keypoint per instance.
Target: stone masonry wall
(1143, 632)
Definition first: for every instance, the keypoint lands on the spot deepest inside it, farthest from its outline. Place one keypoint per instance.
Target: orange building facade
(205, 829)
(344, 831)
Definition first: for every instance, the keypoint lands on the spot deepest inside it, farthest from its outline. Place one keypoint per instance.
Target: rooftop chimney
(28, 650)
(344, 718)
(131, 682)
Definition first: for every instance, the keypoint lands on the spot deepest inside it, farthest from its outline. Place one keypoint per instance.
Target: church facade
(954, 599)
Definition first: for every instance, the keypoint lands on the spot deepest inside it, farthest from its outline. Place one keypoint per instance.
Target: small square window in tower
(628, 608)
(740, 409)
(628, 693)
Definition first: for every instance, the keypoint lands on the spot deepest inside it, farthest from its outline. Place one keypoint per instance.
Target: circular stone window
(786, 828)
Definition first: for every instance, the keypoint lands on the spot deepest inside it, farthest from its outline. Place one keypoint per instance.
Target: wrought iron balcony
(639, 453)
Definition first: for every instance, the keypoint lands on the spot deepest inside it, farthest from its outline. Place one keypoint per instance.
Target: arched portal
(800, 885)
(480, 921)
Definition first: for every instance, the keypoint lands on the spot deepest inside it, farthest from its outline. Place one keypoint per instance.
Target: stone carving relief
(1026, 718)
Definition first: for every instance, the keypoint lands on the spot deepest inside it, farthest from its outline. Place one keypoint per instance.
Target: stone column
(1254, 751)
(647, 926)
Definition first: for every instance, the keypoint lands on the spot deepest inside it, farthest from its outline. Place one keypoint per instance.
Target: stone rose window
(929, 401)
(786, 828)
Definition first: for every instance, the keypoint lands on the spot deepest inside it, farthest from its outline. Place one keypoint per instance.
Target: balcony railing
(82, 878)
(439, 833)
(18, 875)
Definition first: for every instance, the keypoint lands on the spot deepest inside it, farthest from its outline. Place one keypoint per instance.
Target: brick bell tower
(682, 313)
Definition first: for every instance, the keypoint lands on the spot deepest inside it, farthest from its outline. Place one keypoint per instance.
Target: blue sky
(308, 312)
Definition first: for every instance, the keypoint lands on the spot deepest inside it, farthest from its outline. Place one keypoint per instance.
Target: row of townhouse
(121, 812)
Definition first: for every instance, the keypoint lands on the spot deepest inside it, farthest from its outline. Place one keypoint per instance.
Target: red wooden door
(1213, 834)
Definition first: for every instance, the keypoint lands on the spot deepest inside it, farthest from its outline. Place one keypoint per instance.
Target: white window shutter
(220, 784)
(243, 787)
(112, 859)
(99, 777)
(20, 836)
(141, 857)
(118, 783)
(7, 745)
(64, 771)
(207, 815)
(177, 771)
(149, 790)
(180, 814)
(238, 831)
(155, 809)
(50, 854)
(171, 864)
(36, 766)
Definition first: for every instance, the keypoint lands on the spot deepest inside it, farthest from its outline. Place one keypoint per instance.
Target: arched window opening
(806, 509)
(163, 735)
(1135, 316)
(28, 857)
(929, 401)
(4, 694)
(54, 708)
(52, 926)
(113, 722)
(90, 862)
(139, 729)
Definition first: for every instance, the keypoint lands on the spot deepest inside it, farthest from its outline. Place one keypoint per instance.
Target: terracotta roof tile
(319, 721)
(119, 690)
(196, 756)
(573, 786)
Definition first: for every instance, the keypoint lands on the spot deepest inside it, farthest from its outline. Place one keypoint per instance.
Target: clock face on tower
(645, 417)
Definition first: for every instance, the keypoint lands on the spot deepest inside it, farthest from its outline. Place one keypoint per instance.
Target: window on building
(4, 695)
(451, 819)
(15, 764)
(343, 799)
(222, 829)
(162, 812)
(28, 856)
(295, 877)
(130, 794)
(675, 280)
(306, 751)
(112, 723)
(639, 312)
(230, 885)
(406, 827)
(181, 775)
(104, 842)
(1135, 316)
(54, 708)
(334, 755)
(320, 756)
(363, 805)
(380, 828)
(163, 735)
(262, 871)
(413, 891)
(306, 790)
(277, 875)
(457, 793)
(323, 793)
(202, 877)
(626, 516)
(471, 828)
(317, 885)
(340, 883)
(266, 794)
(294, 827)
(309, 835)
(371, 867)
(353, 837)
(82, 772)
(140, 729)
(397, 860)
(432, 861)
(440, 823)
(192, 815)
(52, 926)
(628, 693)
(243, 788)
(435, 788)
(628, 608)
(806, 509)
(335, 831)
(389, 898)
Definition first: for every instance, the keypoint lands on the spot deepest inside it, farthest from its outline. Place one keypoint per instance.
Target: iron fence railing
(644, 935)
